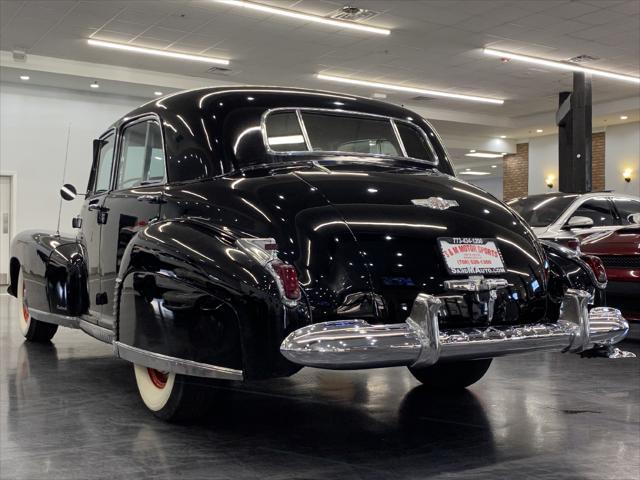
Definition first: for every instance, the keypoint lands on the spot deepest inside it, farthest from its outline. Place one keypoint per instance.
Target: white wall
(622, 150)
(543, 161)
(491, 185)
(33, 136)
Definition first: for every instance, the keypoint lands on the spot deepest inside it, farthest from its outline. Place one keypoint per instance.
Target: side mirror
(579, 222)
(634, 218)
(68, 192)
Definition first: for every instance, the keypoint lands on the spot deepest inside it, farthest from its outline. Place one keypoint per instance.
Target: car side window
(626, 207)
(141, 156)
(598, 210)
(105, 162)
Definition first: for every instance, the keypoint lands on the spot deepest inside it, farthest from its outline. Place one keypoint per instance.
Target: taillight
(289, 280)
(265, 252)
(596, 266)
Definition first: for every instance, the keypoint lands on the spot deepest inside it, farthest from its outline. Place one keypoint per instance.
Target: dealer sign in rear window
(471, 255)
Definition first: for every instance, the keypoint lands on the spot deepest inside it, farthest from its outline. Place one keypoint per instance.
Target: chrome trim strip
(398, 138)
(173, 364)
(99, 333)
(303, 129)
(353, 344)
(55, 318)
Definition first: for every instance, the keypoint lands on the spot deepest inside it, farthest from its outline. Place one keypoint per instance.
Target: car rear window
(306, 131)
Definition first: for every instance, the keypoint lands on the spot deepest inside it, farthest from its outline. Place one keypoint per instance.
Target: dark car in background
(243, 233)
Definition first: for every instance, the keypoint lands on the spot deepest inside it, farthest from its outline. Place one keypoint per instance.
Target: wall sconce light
(627, 175)
(549, 180)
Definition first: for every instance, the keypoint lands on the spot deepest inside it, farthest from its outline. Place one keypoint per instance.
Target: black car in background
(242, 233)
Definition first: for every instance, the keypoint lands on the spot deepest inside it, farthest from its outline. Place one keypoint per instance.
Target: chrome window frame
(392, 121)
(91, 192)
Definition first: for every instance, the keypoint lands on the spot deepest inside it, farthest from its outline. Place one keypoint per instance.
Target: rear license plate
(471, 255)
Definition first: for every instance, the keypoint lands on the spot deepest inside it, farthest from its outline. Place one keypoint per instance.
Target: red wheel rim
(159, 379)
(25, 308)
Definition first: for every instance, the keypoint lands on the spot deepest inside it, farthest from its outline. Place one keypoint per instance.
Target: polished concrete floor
(69, 410)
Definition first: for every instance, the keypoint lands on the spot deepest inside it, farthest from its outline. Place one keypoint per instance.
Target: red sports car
(619, 251)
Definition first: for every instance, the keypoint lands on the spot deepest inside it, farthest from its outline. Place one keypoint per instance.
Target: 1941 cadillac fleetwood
(242, 233)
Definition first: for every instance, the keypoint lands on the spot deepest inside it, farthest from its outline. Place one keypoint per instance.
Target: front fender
(185, 290)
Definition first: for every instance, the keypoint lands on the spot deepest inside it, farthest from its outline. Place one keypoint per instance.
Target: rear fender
(185, 290)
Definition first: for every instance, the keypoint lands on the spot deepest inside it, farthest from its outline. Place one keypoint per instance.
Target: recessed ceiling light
(539, 130)
(24, 77)
(504, 153)
(560, 65)
(503, 136)
(483, 155)
(494, 166)
(467, 169)
(402, 88)
(307, 17)
(471, 172)
(157, 93)
(95, 85)
(160, 53)
(472, 151)
(622, 117)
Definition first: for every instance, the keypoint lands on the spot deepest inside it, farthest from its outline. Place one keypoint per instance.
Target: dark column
(574, 136)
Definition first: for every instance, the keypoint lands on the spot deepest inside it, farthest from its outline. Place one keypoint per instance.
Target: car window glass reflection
(105, 162)
(142, 158)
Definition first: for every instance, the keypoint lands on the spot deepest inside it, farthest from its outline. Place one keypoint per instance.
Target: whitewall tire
(155, 387)
(32, 329)
(173, 397)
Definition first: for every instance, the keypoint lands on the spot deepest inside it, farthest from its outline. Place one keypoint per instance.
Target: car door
(92, 214)
(135, 200)
(598, 209)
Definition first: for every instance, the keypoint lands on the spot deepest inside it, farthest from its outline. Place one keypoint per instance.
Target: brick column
(597, 161)
(515, 176)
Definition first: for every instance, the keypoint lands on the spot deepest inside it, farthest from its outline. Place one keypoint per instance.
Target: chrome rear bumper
(353, 344)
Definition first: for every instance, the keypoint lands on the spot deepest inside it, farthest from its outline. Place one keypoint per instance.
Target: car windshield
(542, 210)
(290, 131)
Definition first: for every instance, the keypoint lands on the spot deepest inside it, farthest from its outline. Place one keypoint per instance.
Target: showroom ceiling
(433, 44)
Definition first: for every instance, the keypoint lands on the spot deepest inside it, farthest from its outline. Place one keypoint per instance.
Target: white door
(5, 228)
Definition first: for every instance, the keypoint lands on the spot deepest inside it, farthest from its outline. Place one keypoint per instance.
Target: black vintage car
(244, 232)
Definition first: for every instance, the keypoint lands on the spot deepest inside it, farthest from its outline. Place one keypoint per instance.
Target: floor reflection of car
(619, 251)
(560, 216)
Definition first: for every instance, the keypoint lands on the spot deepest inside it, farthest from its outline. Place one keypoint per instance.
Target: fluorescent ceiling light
(494, 166)
(157, 93)
(27, 77)
(483, 155)
(503, 136)
(159, 53)
(539, 130)
(402, 88)
(95, 85)
(472, 172)
(622, 117)
(560, 65)
(307, 17)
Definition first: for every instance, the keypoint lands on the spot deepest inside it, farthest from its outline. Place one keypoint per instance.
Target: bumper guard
(418, 342)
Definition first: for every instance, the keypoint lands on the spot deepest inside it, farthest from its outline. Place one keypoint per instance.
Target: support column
(574, 136)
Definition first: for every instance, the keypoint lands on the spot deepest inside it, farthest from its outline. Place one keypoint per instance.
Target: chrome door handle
(152, 199)
(96, 207)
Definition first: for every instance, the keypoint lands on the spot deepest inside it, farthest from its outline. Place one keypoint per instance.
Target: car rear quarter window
(415, 143)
